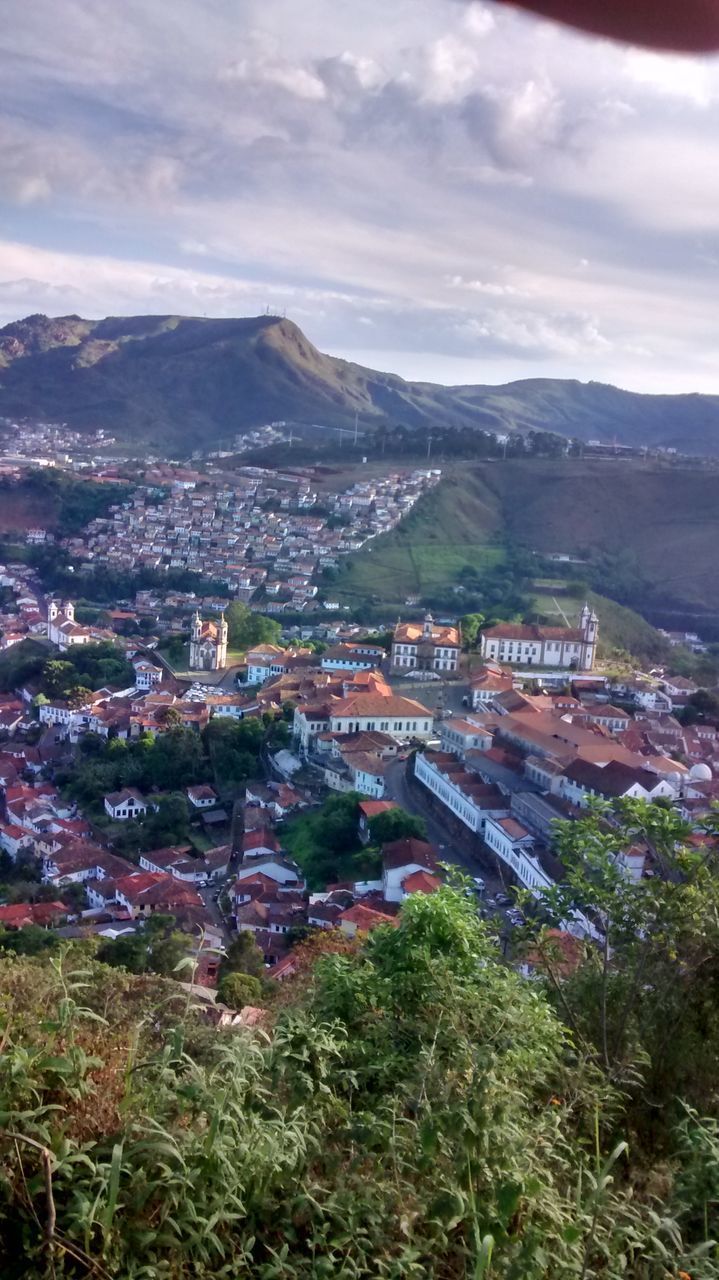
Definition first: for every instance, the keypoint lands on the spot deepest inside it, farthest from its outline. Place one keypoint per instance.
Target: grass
(662, 519)
(452, 526)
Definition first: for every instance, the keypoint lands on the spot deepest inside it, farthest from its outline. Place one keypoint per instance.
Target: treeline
(104, 585)
(226, 752)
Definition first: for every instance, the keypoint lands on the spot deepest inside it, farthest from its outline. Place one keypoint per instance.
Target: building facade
(424, 646)
(519, 644)
(208, 644)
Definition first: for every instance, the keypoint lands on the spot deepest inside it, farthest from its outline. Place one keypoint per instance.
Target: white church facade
(570, 648)
(208, 644)
(62, 629)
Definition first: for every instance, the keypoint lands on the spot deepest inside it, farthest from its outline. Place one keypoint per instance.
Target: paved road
(464, 850)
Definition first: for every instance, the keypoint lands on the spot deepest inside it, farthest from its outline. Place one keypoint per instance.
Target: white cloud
(447, 172)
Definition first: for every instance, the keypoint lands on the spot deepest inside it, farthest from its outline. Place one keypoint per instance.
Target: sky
(446, 189)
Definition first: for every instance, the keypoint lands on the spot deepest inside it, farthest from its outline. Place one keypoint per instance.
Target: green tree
(470, 626)
(396, 824)
(238, 989)
(29, 941)
(243, 956)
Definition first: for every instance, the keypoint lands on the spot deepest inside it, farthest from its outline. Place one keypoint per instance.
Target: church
(208, 644)
(571, 648)
(62, 629)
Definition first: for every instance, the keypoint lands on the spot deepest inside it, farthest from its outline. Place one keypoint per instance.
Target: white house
(147, 674)
(465, 795)
(397, 716)
(424, 646)
(565, 647)
(399, 860)
(514, 844)
(201, 797)
(282, 871)
(350, 657)
(264, 661)
(128, 803)
(460, 736)
(613, 781)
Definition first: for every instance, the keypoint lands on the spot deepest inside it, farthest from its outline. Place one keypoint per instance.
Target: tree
(78, 696)
(238, 989)
(396, 824)
(243, 956)
(57, 677)
(470, 626)
(246, 628)
(29, 941)
(644, 1003)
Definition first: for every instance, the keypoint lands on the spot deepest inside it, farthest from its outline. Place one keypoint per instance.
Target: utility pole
(356, 425)
(429, 447)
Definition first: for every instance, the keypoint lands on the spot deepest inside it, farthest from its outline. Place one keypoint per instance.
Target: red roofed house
(260, 843)
(399, 860)
(362, 919)
(421, 882)
(566, 647)
(423, 646)
(368, 810)
(202, 797)
(21, 914)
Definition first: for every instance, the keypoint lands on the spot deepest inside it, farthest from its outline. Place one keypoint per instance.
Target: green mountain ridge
(174, 380)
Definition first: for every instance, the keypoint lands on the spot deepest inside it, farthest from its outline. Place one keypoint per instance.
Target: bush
(239, 989)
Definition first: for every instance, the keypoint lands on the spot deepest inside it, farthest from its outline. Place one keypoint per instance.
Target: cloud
(453, 181)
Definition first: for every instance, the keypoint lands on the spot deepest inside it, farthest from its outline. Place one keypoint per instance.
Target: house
(282, 871)
(463, 793)
(264, 661)
(513, 843)
(208, 644)
(147, 674)
(362, 919)
(613, 781)
(397, 716)
(399, 860)
(425, 647)
(487, 685)
(350, 657)
(128, 803)
(144, 892)
(260, 842)
(460, 736)
(369, 809)
(534, 646)
(45, 914)
(201, 797)
(15, 840)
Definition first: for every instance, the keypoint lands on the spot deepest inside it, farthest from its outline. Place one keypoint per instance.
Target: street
(465, 850)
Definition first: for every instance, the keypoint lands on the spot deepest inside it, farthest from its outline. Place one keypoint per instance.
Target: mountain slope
(177, 380)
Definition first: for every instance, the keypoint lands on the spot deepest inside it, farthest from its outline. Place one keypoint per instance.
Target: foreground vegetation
(412, 1108)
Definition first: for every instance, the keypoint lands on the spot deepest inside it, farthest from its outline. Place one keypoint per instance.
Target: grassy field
(451, 527)
(620, 628)
(660, 522)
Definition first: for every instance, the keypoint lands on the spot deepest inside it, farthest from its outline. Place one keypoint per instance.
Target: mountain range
(175, 381)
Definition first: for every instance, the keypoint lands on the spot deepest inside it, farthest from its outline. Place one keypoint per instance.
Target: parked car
(504, 899)
(479, 884)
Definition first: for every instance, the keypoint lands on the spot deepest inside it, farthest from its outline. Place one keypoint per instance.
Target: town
(201, 790)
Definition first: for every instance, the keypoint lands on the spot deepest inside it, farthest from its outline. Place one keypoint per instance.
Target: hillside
(646, 534)
(174, 380)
